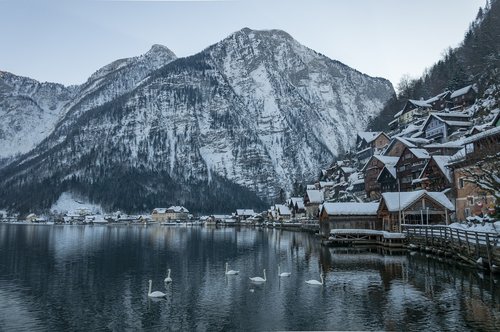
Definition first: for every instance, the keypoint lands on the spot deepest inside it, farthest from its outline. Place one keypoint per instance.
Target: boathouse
(348, 216)
(415, 207)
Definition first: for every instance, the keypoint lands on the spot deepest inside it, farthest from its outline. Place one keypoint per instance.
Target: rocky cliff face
(30, 110)
(234, 124)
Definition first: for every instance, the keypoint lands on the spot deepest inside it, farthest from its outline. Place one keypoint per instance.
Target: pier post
(468, 245)
(478, 249)
(488, 251)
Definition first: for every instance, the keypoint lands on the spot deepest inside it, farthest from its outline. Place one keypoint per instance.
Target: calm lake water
(87, 278)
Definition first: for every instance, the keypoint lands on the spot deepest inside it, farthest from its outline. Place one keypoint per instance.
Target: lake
(87, 278)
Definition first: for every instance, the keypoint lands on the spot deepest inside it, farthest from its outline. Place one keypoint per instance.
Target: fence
(471, 246)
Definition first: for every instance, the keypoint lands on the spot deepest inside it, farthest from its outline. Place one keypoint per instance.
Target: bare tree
(485, 173)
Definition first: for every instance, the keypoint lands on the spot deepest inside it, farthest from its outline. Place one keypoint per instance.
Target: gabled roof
(350, 209)
(389, 169)
(484, 134)
(387, 160)
(368, 136)
(441, 162)
(177, 209)
(283, 210)
(402, 200)
(245, 212)
(462, 91)
(315, 196)
(420, 153)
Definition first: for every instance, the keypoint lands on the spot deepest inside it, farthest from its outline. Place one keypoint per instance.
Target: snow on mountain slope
(30, 110)
(257, 110)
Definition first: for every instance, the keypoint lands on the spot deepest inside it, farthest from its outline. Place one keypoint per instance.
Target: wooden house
(369, 143)
(397, 146)
(372, 170)
(283, 213)
(348, 216)
(439, 126)
(243, 214)
(312, 200)
(410, 165)
(296, 205)
(413, 109)
(387, 179)
(478, 161)
(415, 207)
(435, 176)
(463, 97)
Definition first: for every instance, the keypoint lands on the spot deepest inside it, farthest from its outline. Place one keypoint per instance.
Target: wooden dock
(363, 237)
(478, 248)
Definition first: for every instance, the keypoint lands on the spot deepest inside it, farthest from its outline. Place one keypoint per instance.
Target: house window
(467, 212)
(460, 183)
(470, 200)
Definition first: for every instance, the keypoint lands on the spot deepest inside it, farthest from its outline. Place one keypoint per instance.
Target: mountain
(234, 125)
(30, 110)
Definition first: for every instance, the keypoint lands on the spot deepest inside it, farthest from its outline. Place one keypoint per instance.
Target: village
(438, 165)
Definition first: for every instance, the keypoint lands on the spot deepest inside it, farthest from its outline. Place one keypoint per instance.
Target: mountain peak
(161, 50)
(266, 32)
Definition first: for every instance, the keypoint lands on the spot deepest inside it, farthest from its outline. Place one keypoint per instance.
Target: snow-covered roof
(348, 170)
(323, 184)
(159, 210)
(300, 205)
(177, 209)
(441, 162)
(387, 160)
(369, 136)
(402, 200)
(346, 209)
(315, 196)
(419, 103)
(452, 144)
(462, 91)
(310, 187)
(294, 200)
(390, 168)
(283, 210)
(486, 133)
(420, 153)
(245, 212)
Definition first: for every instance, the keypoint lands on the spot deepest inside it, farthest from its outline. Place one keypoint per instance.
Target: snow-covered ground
(490, 227)
(70, 204)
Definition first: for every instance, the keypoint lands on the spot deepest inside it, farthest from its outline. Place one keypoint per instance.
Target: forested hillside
(475, 61)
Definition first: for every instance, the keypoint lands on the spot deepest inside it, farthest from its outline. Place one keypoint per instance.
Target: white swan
(168, 279)
(315, 282)
(259, 279)
(230, 272)
(155, 293)
(282, 274)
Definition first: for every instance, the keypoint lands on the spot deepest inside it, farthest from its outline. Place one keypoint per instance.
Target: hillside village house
(435, 176)
(410, 165)
(387, 179)
(439, 126)
(372, 170)
(283, 213)
(369, 143)
(415, 207)
(480, 155)
(463, 97)
(412, 110)
(296, 206)
(171, 213)
(397, 145)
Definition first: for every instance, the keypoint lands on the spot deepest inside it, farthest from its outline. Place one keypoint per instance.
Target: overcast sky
(66, 41)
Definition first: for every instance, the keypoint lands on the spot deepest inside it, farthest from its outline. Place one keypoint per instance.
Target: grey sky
(66, 41)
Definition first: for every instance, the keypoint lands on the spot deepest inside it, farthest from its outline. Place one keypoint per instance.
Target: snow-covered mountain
(253, 113)
(30, 110)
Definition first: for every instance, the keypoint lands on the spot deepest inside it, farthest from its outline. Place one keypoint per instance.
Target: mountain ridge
(250, 116)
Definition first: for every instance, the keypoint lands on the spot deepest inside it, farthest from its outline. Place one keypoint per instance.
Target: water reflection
(90, 278)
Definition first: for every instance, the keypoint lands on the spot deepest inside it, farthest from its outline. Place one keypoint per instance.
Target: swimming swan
(282, 274)
(315, 282)
(155, 293)
(230, 272)
(168, 279)
(259, 279)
